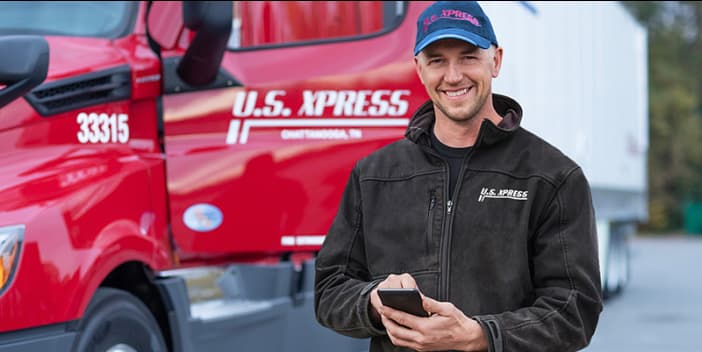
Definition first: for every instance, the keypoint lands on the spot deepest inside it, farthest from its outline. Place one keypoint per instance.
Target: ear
(496, 62)
(418, 67)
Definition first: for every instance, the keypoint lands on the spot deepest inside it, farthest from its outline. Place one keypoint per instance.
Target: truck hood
(70, 56)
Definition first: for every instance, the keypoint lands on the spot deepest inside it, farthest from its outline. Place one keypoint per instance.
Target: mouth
(456, 93)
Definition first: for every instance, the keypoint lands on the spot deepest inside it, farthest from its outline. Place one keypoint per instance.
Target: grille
(85, 90)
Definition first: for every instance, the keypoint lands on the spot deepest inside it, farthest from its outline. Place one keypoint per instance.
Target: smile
(456, 93)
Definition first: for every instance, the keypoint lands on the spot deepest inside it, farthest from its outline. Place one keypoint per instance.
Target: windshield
(106, 19)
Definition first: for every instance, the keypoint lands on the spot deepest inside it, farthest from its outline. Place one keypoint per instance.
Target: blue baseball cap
(464, 20)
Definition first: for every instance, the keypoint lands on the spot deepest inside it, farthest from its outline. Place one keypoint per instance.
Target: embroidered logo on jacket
(502, 193)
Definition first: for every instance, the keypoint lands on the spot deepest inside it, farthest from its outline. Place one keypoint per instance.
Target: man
(492, 224)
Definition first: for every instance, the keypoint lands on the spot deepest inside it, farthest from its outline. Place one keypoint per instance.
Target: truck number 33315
(102, 128)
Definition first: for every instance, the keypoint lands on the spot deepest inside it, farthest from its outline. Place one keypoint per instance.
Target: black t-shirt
(454, 157)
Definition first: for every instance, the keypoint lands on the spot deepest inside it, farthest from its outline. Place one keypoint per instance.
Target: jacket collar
(423, 120)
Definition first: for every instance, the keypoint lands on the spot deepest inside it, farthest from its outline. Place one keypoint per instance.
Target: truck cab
(175, 166)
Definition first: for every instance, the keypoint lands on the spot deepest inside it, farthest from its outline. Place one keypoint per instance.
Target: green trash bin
(693, 218)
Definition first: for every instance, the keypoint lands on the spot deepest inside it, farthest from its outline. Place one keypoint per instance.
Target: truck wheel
(618, 269)
(116, 321)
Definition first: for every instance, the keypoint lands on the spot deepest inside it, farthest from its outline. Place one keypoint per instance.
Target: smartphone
(405, 299)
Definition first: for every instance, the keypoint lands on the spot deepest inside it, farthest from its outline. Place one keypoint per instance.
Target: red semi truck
(168, 170)
(167, 184)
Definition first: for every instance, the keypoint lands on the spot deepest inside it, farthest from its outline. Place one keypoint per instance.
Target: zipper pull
(432, 203)
(448, 206)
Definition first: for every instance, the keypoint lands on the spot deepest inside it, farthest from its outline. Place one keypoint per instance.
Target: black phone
(405, 299)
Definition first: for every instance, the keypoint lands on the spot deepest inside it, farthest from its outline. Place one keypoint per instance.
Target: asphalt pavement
(661, 308)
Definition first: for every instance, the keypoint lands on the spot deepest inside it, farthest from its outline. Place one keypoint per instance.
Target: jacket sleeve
(342, 283)
(566, 279)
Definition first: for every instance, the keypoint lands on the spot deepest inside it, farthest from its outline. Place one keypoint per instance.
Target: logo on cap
(451, 15)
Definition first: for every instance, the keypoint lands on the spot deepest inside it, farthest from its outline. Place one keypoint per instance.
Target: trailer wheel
(116, 321)
(618, 269)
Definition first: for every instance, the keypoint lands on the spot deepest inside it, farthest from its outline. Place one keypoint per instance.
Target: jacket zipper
(447, 220)
(430, 220)
(445, 251)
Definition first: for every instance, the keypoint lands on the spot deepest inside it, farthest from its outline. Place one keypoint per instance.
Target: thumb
(432, 306)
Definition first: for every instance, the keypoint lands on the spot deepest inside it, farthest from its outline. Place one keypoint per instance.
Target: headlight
(10, 242)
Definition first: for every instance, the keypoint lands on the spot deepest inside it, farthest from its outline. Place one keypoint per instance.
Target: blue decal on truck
(202, 217)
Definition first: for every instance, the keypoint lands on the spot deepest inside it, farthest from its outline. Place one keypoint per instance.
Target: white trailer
(579, 69)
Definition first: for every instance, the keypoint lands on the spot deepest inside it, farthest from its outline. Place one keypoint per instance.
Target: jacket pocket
(430, 221)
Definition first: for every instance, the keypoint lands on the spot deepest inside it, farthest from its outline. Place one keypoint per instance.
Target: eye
(435, 61)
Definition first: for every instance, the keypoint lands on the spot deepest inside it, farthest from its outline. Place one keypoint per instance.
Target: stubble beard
(467, 117)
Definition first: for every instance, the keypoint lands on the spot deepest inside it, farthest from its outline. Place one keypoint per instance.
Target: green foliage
(675, 107)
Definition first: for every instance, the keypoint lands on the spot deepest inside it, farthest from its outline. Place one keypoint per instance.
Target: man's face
(458, 77)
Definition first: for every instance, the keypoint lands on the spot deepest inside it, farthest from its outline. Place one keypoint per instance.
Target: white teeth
(457, 93)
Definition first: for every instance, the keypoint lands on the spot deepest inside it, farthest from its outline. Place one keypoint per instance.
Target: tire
(117, 321)
(612, 282)
(618, 264)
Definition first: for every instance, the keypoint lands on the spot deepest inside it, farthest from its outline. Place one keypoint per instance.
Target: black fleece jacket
(513, 247)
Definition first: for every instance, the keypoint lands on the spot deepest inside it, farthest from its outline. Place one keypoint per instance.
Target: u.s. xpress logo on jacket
(504, 193)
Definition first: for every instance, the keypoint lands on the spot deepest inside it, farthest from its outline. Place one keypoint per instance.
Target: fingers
(402, 318)
(407, 281)
(400, 335)
(433, 306)
(446, 328)
(398, 281)
(376, 304)
(392, 281)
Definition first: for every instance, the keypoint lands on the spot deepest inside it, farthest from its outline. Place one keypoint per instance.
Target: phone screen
(405, 299)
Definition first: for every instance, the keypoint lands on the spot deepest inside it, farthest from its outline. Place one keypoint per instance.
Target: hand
(392, 281)
(446, 329)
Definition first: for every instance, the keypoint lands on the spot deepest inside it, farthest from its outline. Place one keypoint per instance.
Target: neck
(456, 134)
(461, 134)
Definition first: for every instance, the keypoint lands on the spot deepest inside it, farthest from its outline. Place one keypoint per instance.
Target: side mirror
(211, 21)
(23, 65)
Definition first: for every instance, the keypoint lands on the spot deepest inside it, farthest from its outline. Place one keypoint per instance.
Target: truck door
(257, 161)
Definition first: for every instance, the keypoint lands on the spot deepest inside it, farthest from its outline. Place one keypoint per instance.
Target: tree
(675, 107)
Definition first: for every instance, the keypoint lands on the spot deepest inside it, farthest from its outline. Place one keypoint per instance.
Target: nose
(453, 75)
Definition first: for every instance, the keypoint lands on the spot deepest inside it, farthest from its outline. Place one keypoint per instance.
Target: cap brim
(454, 33)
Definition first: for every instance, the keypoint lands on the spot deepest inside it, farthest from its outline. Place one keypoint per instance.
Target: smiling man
(492, 224)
